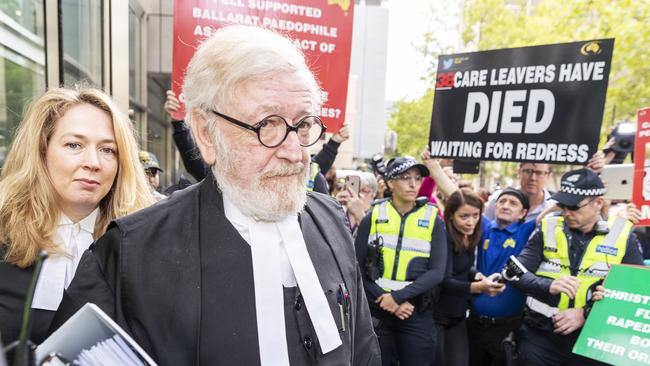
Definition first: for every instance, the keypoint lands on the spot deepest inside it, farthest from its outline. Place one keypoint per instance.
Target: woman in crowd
(401, 247)
(464, 224)
(72, 168)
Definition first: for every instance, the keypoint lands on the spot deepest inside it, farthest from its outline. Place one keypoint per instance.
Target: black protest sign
(541, 103)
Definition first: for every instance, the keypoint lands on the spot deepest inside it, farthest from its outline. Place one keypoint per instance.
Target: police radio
(374, 264)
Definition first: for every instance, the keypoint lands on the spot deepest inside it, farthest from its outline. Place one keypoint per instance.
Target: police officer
(401, 245)
(566, 258)
(314, 171)
(152, 169)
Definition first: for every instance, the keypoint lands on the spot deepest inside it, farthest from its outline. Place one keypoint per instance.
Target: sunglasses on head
(575, 207)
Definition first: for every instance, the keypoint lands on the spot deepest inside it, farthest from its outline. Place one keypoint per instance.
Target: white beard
(262, 197)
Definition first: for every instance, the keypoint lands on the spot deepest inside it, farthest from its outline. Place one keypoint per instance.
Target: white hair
(234, 55)
(369, 180)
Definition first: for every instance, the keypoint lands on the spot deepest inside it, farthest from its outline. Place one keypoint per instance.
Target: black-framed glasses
(539, 173)
(575, 207)
(271, 131)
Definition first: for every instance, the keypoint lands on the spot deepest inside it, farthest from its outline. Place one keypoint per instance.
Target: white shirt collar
(86, 224)
(58, 271)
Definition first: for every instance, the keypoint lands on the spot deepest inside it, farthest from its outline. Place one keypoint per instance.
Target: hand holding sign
(598, 294)
(172, 106)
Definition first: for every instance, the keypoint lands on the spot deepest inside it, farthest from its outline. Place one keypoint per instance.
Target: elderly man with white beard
(246, 267)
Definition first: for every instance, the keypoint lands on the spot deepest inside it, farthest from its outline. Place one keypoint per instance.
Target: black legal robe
(178, 277)
(14, 283)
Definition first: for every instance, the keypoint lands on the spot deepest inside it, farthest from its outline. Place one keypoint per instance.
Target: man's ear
(202, 136)
(524, 212)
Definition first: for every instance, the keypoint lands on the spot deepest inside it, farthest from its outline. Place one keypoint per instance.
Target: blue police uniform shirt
(495, 247)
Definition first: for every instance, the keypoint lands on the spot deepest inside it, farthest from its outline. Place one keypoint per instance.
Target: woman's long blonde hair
(29, 209)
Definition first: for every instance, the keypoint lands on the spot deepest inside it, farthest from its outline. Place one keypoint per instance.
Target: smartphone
(352, 182)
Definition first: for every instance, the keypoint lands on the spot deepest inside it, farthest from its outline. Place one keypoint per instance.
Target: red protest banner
(641, 187)
(322, 29)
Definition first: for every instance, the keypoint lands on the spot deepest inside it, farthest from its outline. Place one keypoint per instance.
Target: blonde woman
(72, 168)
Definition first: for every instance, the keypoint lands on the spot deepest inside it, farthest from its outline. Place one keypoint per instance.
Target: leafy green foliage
(493, 24)
(411, 121)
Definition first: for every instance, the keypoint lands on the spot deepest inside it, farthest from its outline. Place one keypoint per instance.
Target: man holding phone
(402, 248)
(357, 196)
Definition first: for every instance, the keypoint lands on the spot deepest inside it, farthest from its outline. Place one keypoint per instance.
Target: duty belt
(541, 308)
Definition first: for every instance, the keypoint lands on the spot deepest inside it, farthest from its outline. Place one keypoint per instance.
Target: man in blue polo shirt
(492, 318)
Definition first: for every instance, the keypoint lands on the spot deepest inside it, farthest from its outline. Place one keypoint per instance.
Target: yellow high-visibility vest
(313, 173)
(404, 240)
(602, 251)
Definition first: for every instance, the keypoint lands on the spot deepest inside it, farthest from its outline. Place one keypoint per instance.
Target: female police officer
(401, 245)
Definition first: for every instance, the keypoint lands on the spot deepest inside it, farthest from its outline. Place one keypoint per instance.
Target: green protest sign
(618, 328)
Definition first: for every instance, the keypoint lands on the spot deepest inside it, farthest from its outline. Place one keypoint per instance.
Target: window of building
(137, 101)
(135, 52)
(22, 63)
(81, 42)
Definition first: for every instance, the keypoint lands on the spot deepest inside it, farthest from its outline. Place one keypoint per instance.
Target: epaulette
(378, 201)
(421, 201)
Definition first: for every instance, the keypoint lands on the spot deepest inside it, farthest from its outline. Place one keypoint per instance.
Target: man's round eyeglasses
(271, 131)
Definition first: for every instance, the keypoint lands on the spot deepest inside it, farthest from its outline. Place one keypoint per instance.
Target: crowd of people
(272, 259)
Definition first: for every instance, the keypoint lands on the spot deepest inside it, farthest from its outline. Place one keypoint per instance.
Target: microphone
(24, 355)
(513, 270)
(3, 362)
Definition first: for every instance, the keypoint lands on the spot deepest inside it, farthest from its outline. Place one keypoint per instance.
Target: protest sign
(541, 103)
(617, 330)
(641, 186)
(321, 28)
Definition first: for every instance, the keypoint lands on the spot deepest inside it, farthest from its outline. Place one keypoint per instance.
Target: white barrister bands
(317, 306)
(264, 240)
(270, 242)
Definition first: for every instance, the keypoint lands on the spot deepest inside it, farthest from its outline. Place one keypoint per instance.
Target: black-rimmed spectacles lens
(273, 130)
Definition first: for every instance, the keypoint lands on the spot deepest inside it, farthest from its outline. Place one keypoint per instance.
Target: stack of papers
(91, 338)
(113, 351)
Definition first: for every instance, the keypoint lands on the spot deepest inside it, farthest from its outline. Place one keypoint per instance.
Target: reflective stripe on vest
(540, 307)
(414, 241)
(313, 173)
(387, 284)
(601, 252)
